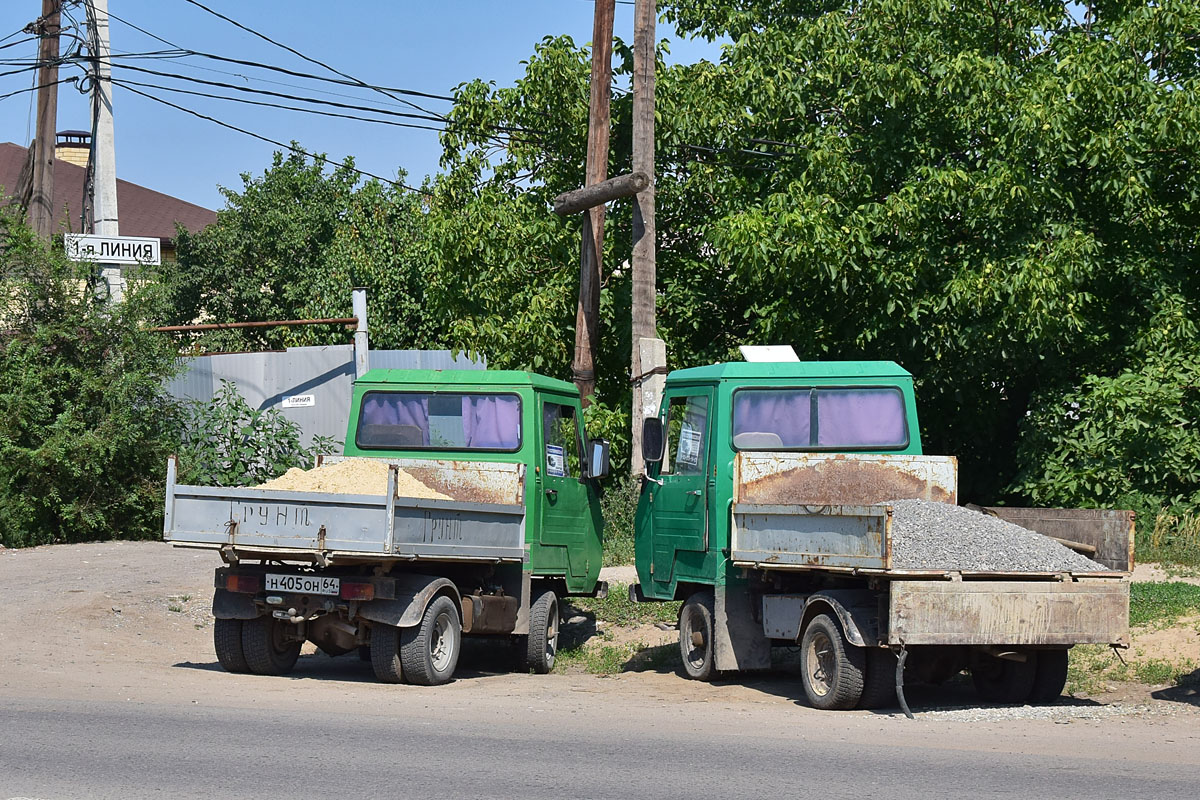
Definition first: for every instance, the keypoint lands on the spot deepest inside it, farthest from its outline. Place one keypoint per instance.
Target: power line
(293, 147)
(70, 79)
(128, 83)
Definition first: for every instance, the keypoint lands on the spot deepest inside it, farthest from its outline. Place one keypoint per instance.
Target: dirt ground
(131, 620)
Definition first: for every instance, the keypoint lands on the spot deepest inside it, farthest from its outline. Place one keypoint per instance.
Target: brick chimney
(73, 147)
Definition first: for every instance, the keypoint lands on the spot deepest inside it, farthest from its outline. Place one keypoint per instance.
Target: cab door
(566, 512)
(679, 504)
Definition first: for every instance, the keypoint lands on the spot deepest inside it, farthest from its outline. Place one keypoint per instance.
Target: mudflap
(233, 605)
(738, 641)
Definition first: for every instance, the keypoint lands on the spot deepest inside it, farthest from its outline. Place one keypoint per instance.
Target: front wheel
(696, 636)
(429, 650)
(541, 646)
(268, 648)
(831, 668)
(1004, 680)
(1050, 677)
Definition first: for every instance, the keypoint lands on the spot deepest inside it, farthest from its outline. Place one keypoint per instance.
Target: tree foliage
(85, 424)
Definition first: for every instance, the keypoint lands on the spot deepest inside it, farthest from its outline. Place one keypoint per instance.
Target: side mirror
(597, 458)
(653, 442)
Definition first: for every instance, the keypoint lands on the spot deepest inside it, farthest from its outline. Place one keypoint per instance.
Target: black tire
(1050, 677)
(541, 645)
(429, 650)
(879, 685)
(831, 668)
(227, 641)
(696, 636)
(267, 647)
(385, 653)
(1003, 680)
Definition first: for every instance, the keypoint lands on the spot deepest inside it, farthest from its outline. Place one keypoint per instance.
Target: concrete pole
(104, 160)
(647, 358)
(41, 201)
(361, 343)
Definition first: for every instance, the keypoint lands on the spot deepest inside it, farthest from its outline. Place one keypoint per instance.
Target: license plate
(304, 584)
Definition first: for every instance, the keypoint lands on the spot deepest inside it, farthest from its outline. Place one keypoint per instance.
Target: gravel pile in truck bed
(927, 535)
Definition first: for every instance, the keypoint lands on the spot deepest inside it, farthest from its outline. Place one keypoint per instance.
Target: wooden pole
(598, 194)
(587, 313)
(41, 200)
(643, 262)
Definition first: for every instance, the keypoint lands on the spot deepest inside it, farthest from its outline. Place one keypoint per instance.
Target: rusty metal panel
(1110, 531)
(844, 478)
(1009, 612)
(812, 536)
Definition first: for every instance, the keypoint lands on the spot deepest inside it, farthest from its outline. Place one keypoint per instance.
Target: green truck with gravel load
(465, 503)
(790, 503)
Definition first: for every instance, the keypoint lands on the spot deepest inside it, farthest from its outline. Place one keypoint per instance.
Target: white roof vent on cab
(768, 352)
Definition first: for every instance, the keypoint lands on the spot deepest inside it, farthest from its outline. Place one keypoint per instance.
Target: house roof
(143, 212)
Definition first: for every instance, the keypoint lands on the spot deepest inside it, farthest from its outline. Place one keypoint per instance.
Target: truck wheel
(541, 646)
(385, 653)
(227, 641)
(1002, 680)
(267, 647)
(832, 669)
(879, 685)
(1050, 676)
(429, 650)
(696, 636)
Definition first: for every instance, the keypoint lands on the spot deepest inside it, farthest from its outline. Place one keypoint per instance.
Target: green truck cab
(767, 507)
(515, 417)
(488, 516)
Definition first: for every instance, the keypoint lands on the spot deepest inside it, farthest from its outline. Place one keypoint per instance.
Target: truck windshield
(809, 418)
(439, 421)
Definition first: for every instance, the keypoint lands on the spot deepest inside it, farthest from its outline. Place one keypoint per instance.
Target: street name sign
(113, 249)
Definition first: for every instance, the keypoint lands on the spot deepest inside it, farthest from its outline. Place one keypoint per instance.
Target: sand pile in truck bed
(352, 476)
(927, 535)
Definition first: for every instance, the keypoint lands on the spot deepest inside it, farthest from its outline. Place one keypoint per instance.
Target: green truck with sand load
(465, 504)
(790, 503)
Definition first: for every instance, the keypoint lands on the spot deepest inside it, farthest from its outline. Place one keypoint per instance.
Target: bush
(85, 424)
(225, 442)
(618, 505)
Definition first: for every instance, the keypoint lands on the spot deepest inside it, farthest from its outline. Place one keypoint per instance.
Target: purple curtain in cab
(491, 422)
(784, 414)
(398, 409)
(860, 418)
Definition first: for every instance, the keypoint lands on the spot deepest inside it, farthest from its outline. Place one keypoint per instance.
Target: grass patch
(617, 610)
(1174, 538)
(618, 506)
(1160, 604)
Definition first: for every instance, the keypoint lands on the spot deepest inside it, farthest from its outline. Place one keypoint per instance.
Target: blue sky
(424, 46)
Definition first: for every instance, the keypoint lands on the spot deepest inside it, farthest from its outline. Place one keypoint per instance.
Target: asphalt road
(109, 749)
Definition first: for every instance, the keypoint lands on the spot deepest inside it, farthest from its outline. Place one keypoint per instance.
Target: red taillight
(358, 591)
(246, 584)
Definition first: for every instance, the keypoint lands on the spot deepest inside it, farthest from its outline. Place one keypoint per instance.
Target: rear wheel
(1003, 680)
(1050, 677)
(879, 685)
(831, 668)
(541, 646)
(385, 653)
(696, 636)
(429, 651)
(227, 641)
(267, 647)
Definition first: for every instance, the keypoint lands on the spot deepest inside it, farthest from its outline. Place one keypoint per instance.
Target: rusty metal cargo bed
(329, 528)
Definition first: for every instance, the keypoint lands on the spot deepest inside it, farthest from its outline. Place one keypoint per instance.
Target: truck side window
(561, 436)
(687, 429)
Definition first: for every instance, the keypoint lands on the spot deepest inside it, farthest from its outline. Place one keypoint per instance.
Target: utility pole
(648, 361)
(41, 199)
(587, 314)
(103, 166)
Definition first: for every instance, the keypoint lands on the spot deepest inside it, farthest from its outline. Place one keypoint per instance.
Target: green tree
(85, 424)
(293, 243)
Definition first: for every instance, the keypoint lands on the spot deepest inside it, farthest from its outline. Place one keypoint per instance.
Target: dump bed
(483, 519)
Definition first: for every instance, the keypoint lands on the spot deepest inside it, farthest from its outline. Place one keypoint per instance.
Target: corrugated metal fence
(309, 385)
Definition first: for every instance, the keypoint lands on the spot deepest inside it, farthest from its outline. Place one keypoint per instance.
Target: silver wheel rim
(694, 652)
(441, 643)
(820, 663)
(552, 635)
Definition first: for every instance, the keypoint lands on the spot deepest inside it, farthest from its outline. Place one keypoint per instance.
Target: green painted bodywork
(563, 524)
(667, 561)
